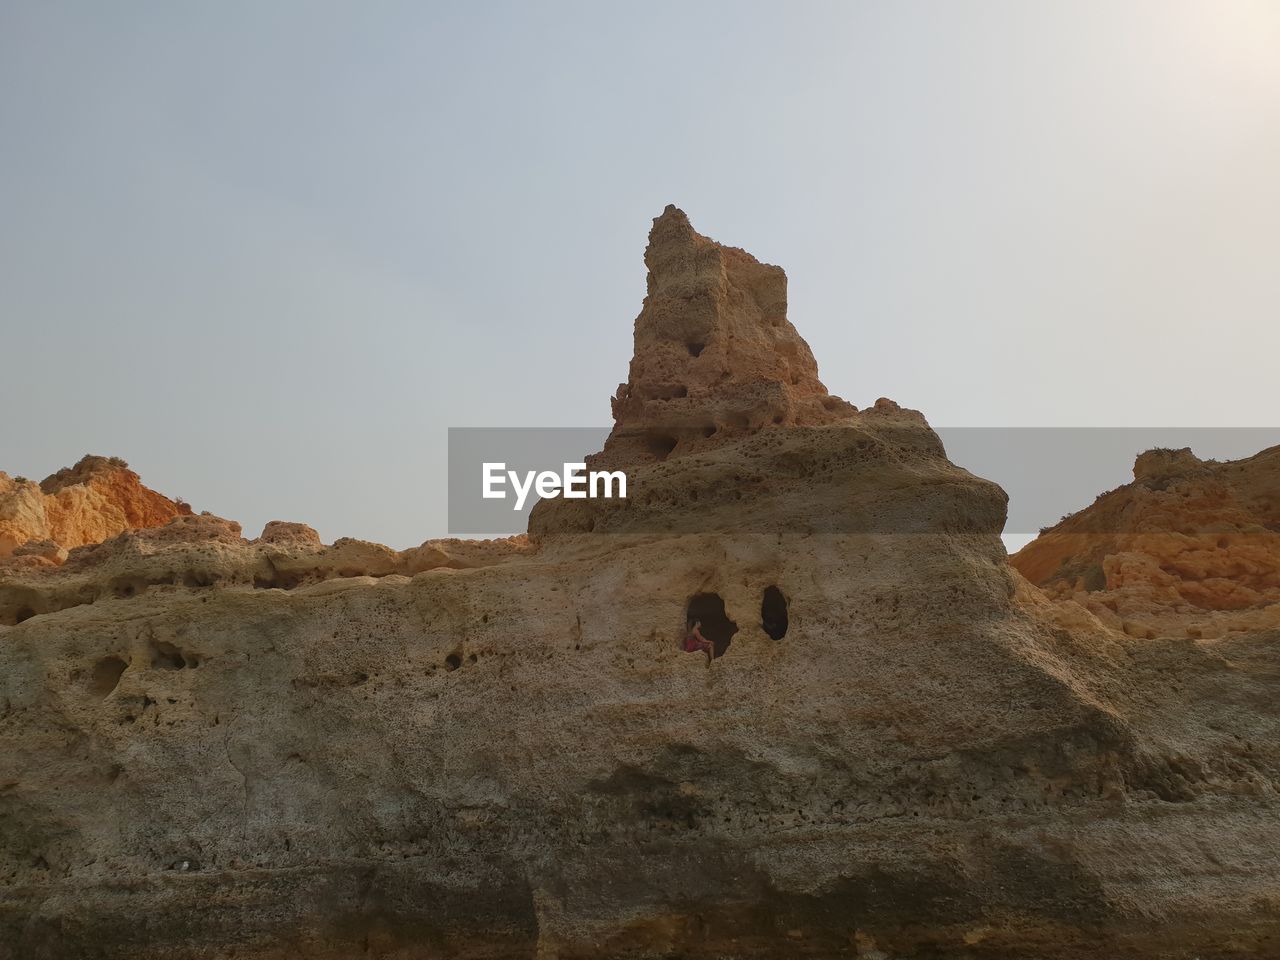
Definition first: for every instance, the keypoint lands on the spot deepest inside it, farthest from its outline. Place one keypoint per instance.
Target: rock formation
(88, 503)
(715, 355)
(1188, 549)
(213, 747)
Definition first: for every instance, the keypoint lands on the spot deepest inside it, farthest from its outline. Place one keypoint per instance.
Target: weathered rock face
(715, 355)
(1189, 548)
(903, 750)
(724, 405)
(88, 503)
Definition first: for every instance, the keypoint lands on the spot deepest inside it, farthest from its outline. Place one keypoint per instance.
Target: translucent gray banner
(1047, 472)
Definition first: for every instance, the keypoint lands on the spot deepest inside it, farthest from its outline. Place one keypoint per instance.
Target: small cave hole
(23, 613)
(452, 662)
(106, 675)
(773, 613)
(661, 444)
(708, 609)
(167, 656)
(695, 349)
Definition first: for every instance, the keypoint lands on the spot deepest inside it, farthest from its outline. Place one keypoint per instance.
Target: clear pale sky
(269, 251)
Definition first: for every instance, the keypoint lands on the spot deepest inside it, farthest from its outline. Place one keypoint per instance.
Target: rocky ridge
(1190, 548)
(88, 503)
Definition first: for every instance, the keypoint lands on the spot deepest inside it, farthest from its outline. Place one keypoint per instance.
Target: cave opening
(106, 676)
(661, 444)
(708, 609)
(166, 656)
(773, 612)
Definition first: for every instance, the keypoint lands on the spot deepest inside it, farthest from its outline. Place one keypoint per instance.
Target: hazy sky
(269, 251)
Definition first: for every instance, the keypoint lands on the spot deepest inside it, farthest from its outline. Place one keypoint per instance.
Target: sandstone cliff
(88, 503)
(1189, 548)
(212, 747)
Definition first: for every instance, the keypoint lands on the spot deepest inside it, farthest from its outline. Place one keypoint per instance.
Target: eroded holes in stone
(709, 431)
(166, 656)
(707, 609)
(124, 589)
(695, 348)
(105, 676)
(773, 613)
(452, 662)
(22, 614)
(661, 444)
(472, 659)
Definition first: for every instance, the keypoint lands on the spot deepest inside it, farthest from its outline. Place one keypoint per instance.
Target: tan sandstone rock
(279, 749)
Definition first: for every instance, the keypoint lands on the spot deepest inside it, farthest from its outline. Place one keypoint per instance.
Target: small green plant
(1095, 578)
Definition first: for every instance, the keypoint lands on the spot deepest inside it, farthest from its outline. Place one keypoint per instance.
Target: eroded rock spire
(715, 355)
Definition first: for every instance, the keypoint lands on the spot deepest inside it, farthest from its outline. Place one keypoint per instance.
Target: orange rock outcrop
(1189, 548)
(88, 503)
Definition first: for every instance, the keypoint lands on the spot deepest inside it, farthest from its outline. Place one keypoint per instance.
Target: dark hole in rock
(695, 349)
(708, 609)
(708, 431)
(167, 656)
(661, 444)
(106, 674)
(773, 613)
(452, 662)
(23, 613)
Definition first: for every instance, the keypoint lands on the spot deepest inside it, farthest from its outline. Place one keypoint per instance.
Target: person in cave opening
(695, 641)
